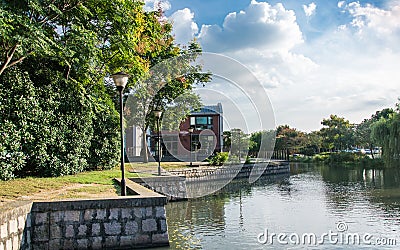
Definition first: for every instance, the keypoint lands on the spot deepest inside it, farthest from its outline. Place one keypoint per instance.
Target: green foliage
(11, 158)
(337, 133)
(169, 88)
(57, 111)
(261, 140)
(219, 159)
(53, 135)
(240, 144)
(386, 131)
(289, 138)
(105, 142)
(344, 158)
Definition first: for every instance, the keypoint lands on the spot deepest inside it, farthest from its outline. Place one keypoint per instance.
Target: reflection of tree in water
(187, 218)
(206, 215)
(377, 187)
(386, 190)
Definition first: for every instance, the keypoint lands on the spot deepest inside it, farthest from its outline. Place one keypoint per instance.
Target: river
(318, 207)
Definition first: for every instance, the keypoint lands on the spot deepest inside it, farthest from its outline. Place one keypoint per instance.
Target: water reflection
(312, 199)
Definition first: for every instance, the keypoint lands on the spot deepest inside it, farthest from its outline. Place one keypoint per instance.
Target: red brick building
(205, 140)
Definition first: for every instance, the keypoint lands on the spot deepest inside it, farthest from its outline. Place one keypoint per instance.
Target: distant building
(207, 118)
(133, 141)
(206, 138)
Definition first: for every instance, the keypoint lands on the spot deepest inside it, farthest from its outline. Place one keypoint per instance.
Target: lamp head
(120, 79)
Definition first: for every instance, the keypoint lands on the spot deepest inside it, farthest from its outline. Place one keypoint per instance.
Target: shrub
(219, 159)
(53, 127)
(11, 159)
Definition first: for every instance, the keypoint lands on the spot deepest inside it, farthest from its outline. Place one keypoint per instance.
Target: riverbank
(194, 182)
(343, 158)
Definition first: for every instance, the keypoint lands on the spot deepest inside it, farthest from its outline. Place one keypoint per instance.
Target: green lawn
(99, 181)
(82, 185)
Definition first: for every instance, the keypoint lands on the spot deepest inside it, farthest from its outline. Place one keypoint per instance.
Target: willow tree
(386, 132)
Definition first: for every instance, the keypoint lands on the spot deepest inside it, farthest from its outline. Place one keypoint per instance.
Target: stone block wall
(15, 225)
(173, 187)
(117, 223)
(99, 224)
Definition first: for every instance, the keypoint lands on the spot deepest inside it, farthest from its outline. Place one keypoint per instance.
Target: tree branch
(9, 56)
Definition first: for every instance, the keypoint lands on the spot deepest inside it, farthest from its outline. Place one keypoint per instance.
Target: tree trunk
(144, 152)
(372, 151)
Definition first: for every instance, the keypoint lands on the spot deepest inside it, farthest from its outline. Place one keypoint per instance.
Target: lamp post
(157, 114)
(191, 129)
(120, 79)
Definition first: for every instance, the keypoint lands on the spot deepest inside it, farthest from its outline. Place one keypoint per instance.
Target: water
(313, 200)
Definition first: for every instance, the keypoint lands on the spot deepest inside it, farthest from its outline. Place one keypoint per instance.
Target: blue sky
(314, 58)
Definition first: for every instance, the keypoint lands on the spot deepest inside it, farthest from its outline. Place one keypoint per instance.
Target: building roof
(209, 109)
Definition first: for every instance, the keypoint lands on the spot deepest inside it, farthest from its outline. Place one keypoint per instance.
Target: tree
(90, 39)
(289, 138)
(227, 139)
(313, 143)
(62, 50)
(168, 87)
(337, 133)
(386, 132)
(363, 133)
(262, 143)
(240, 143)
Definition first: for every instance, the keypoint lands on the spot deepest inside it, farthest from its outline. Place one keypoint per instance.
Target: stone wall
(197, 182)
(173, 187)
(15, 224)
(116, 223)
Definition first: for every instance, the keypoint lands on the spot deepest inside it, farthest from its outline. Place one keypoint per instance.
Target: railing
(281, 155)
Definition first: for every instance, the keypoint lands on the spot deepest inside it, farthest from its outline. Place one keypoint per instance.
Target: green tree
(313, 143)
(62, 50)
(240, 143)
(169, 88)
(226, 136)
(337, 133)
(363, 133)
(289, 138)
(386, 132)
(262, 143)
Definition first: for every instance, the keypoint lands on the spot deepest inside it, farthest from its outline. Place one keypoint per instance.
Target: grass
(82, 185)
(99, 181)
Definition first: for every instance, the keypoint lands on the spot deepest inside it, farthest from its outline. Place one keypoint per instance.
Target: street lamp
(157, 114)
(120, 79)
(191, 129)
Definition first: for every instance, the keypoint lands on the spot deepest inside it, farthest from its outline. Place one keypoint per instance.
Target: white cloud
(184, 27)
(351, 71)
(309, 10)
(374, 21)
(357, 71)
(259, 26)
(150, 5)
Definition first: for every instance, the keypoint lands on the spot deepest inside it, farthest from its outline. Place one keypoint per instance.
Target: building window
(171, 144)
(201, 122)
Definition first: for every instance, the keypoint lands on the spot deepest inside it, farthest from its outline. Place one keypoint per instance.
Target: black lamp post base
(123, 187)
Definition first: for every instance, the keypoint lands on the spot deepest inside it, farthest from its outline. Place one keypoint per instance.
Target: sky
(312, 57)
